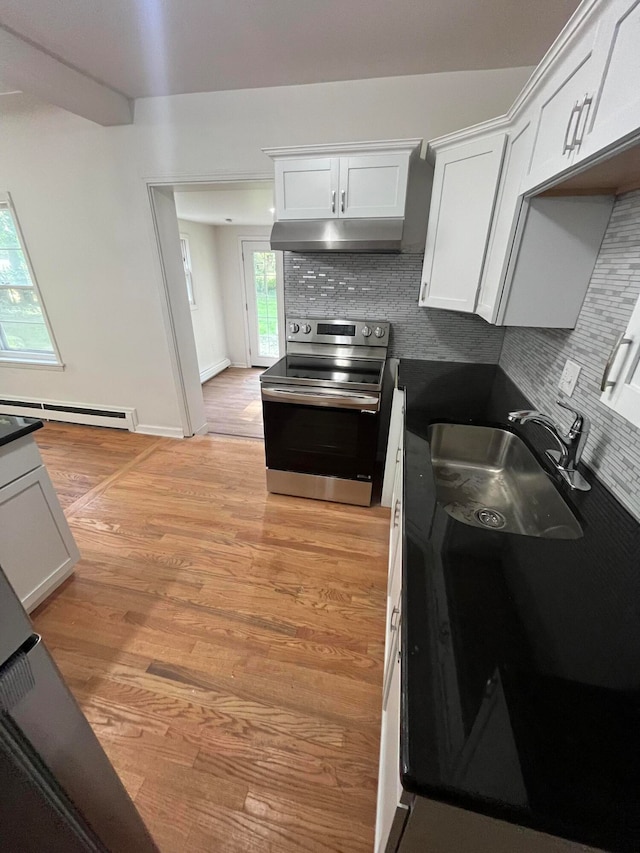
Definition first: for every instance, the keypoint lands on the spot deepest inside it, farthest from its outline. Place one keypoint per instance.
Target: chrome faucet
(570, 446)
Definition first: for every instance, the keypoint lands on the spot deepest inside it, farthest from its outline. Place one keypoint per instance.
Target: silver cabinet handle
(342, 199)
(568, 146)
(581, 125)
(620, 341)
(333, 201)
(393, 622)
(423, 291)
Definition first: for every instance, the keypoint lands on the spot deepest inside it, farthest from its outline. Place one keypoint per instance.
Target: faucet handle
(581, 421)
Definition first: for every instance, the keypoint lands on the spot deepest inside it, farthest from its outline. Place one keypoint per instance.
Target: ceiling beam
(32, 70)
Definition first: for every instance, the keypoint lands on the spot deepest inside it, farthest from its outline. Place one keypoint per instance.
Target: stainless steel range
(321, 406)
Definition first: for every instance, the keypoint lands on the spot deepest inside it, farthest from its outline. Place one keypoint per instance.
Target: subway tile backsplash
(534, 358)
(385, 287)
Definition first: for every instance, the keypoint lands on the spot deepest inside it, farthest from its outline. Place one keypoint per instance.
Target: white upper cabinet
(462, 201)
(373, 186)
(307, 189)
(352, 181)
(562, 112)
(508, 206)
(616, 109)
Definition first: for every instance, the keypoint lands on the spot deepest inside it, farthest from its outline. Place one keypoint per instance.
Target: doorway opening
(225, 300)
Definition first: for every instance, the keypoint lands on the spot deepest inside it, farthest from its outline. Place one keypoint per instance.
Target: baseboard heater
(49, 410)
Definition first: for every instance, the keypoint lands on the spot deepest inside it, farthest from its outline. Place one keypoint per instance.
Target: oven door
(324, 433)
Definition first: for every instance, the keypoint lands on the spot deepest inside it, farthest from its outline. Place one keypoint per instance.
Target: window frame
(188, 270)
(29, 358)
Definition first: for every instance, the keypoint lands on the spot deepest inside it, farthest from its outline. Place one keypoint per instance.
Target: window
(24, 332)
(186, 262)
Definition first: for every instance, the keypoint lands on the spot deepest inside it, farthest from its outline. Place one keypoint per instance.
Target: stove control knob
(378, 332)
(306, 328)
(366, 331)
(293, 328)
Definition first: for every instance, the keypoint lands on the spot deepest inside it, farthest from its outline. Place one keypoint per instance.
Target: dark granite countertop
(12, 427)
(521, 656)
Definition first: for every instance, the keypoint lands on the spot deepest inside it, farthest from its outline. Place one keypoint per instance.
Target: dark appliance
(60, 792)
(321, 405)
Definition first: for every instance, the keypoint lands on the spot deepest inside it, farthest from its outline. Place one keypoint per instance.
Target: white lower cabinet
(37, 548)
(391, 811)
(394, 447)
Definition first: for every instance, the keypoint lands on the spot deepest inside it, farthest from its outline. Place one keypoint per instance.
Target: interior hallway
(225, 644)
(232, 402)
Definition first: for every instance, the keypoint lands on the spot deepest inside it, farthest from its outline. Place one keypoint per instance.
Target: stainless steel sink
(487, 477)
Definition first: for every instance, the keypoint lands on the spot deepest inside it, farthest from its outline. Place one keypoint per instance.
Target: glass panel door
(264, 289)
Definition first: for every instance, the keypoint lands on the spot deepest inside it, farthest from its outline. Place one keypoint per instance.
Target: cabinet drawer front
(616, 109)
(373, 186)
(307, 188)
(464, 192)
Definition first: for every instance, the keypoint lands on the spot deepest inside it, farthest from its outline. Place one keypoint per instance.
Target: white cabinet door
(505, 219)
(462, 202)
(373, 186)
(394, 447)
(307, 188)
(563, 113)
(616, 109)
(389, 784)
(37, 549)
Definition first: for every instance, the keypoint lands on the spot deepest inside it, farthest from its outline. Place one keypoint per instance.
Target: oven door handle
(363, 402)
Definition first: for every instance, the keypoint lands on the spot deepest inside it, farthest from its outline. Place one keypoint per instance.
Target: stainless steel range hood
(338, 235)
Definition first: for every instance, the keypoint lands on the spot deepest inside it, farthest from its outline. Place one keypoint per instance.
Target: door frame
(245, 296)
(179, 335)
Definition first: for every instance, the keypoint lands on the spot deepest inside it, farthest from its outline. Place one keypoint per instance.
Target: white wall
(231, 277)
(82, 199)
(207, 315)
(85, 217)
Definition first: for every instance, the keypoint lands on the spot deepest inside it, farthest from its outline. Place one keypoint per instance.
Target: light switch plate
(569, 377)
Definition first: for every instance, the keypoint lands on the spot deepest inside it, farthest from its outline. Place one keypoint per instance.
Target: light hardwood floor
(225, 644)
(232, 402)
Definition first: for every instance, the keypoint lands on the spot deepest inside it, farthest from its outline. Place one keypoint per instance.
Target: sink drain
(490, 518)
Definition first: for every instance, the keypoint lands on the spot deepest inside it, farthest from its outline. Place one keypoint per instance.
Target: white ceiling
(245, 204)
(157, 47)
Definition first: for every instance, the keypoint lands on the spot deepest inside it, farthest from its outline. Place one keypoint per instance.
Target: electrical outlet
(569, 377)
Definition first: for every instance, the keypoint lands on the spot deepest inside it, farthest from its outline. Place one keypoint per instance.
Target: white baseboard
(168, 432)
(214, 369)
(239, 364)
(203, 430)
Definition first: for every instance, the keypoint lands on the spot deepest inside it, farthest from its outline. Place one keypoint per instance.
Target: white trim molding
(345, 148)
(167, 432)
(214, 369)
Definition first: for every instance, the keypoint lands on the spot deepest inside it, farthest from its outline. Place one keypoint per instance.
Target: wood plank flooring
(232, 402)
(225, 644)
